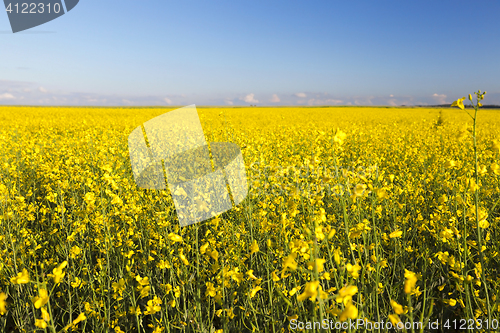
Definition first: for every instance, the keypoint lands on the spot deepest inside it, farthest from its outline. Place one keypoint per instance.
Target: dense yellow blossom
(348, 210)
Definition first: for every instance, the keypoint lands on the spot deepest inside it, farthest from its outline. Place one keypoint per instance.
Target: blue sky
(243, 52)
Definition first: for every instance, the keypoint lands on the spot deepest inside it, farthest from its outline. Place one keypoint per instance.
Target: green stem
(476, 202)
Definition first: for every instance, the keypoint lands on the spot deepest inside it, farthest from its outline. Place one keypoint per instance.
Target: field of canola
(352, 213)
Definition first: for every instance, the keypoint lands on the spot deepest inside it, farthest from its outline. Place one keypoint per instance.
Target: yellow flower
(58, 273)
(482, 217)
(168, 288)
(214, 254)
(346, 293)
(274, 276)
(254, 248)
(116, 200)
(494, 169)
(76, 283)
(75, 251)
(310, 291)
(81, 317)
(483, 224)
(250, 275)
(183, 257)
(237, 276)
(21, 278)
(41, 299)
(254, 291)
(162, 264)
(289, 262)
(119, 287)
(350, 312)
(353, 270)
(174, 237)
(210, 290)
(396, 234)
(331, 233)
(337, 255)
(145, 291)
(382, 193)
(90, 198)
(459, 102)
(396, 322)
(40, 323)
(398, 308)
(177, 292)
(472, 185)
(45, 314)
(359, 190)
(204, 248)
(3, 304)
(451, 302)
(339, 137)
(142, 281)
(153, 306)
(450, 164)
(495, 145)
(319, 233)
(319, 265)
(411, 281)
(180, 191)
(294, 291)
(143, 286)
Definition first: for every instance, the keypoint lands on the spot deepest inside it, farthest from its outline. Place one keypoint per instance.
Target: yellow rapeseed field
(371, 214)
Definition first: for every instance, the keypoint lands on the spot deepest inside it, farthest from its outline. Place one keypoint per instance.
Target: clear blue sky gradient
(220, 52)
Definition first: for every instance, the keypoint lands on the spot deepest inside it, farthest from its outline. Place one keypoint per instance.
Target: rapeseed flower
(3, 304)
(410, 282)
(21, 278)
(41, 299)
(310, 291)
(58, 273)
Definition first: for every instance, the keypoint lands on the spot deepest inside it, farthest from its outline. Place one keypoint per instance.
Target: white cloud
(440, 99)
(363, 101)
(333, 101)
(329, 101)
(31, 93)
(250, 98)
(7, 96)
